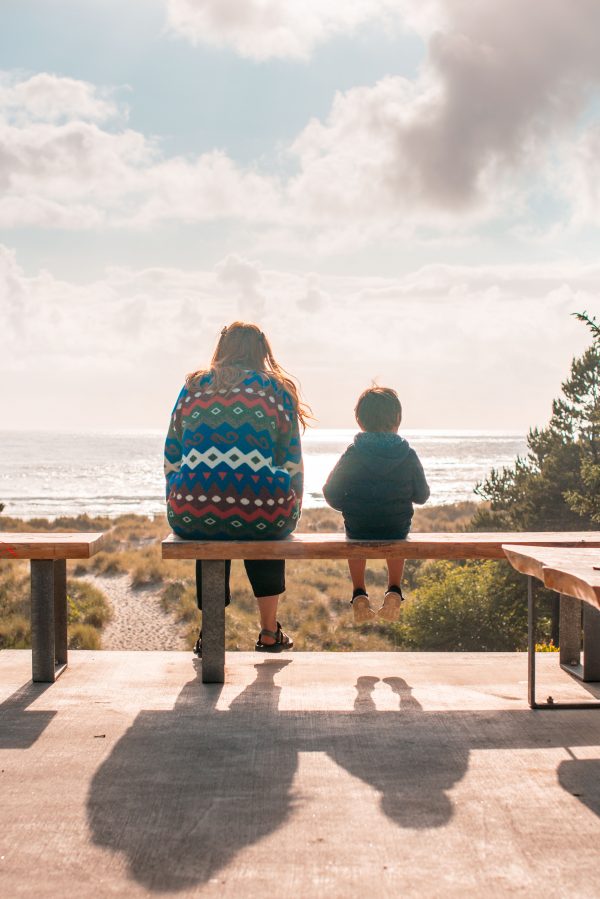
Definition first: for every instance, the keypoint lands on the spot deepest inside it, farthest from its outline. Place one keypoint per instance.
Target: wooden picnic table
(574, 573)
(48, 553)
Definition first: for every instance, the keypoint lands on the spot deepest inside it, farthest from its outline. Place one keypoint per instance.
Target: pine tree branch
(590, 321)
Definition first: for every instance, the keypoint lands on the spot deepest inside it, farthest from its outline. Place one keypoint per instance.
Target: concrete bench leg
(213, 622)
(48, 619)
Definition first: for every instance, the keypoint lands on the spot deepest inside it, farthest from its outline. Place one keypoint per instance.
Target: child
(374, 485)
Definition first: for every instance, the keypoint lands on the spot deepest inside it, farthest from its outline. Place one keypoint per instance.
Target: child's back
(375, 484)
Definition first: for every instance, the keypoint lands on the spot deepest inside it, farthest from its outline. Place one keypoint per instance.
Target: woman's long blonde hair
(242, 346)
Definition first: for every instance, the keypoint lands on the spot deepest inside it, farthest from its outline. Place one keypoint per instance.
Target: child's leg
(360, 601)
(395, 571)
(390, 609)
(357, 572)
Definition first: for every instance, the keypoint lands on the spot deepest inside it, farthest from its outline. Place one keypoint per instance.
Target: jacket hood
(384, 450)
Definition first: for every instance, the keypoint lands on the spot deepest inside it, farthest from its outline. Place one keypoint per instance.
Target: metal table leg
(591, 643)
(48, 619)
(531, 637)
(569, 638)
(213, 622)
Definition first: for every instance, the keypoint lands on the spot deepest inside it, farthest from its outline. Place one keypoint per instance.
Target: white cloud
(67, 171)
(68, 174)
(314, 300)
(245, 278)
(265, 29)
(460, 343)
(47, 97)
(500, 82)
(579, 181)
(208, 187)
(498, 98)
(13, 294)
(493, 112)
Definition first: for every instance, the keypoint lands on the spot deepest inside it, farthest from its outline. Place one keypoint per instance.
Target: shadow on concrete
(20, 726)
(581, 778)
(410, 769)
(184, 791)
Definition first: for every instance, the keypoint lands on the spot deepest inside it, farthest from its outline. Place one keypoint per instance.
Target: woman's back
(233, 460)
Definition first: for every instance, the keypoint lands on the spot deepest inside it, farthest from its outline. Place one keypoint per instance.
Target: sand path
(138, 620)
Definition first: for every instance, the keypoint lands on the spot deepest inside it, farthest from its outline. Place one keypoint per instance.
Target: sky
(404, 192)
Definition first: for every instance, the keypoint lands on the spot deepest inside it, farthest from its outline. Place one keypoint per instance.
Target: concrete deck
(338, 775)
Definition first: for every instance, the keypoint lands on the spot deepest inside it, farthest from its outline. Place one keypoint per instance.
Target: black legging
(266, 576)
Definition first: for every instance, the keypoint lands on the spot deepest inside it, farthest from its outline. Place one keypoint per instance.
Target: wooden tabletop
(574, 572)
(337, 546)
(49, 545)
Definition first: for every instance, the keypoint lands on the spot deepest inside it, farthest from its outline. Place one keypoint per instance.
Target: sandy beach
(138, 621)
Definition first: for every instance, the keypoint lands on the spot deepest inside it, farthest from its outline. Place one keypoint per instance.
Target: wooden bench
(573, 573)
(213, 553)
(48, 554)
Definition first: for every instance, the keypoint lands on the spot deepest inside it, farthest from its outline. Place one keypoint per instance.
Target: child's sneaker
(390, 610)
(360, 605)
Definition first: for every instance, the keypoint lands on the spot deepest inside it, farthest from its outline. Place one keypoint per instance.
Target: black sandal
(198, 646)
(282, 641)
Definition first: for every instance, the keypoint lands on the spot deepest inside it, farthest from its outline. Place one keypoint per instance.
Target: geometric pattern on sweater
(212, 527)
(233, 461)
(233, 457)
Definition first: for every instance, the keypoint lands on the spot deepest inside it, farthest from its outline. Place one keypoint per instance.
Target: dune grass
(315, 609)
(87, 610)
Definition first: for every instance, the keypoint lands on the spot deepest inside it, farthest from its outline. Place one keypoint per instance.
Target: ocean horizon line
(441, 432)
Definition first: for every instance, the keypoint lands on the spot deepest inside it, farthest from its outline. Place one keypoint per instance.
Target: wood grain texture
(50, 546)
(566, 570)
(336, 546)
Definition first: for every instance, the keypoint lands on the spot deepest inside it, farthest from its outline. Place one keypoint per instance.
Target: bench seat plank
(50, 545)
(337, 546)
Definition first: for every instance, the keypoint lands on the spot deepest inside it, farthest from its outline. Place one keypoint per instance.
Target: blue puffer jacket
(374, 485)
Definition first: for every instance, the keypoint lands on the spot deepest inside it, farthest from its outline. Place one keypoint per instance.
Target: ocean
(46, 473)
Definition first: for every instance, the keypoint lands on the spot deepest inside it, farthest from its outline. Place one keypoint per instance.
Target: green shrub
(14, 605)
(86, 605)
(108, 563)
(84, 636)
(179, 598)
(87, 610)
(83, 523)
(473, 606)
(146, 573)
(15, 632)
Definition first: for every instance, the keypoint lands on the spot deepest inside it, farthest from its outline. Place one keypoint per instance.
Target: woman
(233, 463)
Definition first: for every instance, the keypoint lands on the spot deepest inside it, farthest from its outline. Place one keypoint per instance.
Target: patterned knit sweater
(233, 461)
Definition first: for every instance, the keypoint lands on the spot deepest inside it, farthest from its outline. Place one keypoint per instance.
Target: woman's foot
(360, 606)
(198, 646)
(273, 641)
(393, 599)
